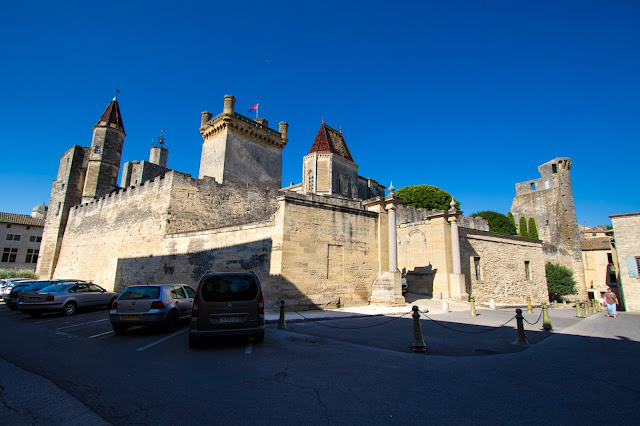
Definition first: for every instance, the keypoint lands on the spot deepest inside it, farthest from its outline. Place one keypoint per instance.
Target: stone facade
(600, 262)
(549, 200)
(626, 230)
(20, 238)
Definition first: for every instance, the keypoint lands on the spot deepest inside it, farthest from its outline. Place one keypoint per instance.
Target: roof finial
(116, 95)
(161, 138)
(341, 129)
(323, 119)
(391, 189)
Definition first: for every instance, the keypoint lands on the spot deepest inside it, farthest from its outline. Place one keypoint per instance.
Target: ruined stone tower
(549, 200)
(238, 149)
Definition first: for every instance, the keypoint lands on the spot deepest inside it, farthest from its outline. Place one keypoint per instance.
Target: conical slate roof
(331, 140)
(111, 116)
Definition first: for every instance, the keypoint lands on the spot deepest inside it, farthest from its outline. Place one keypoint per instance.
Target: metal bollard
(599, 306)
(281, 323)
(529, 307)
(472, 300)
(564, 303)
(546, 321)
(418, 342)
(587, 309)
(521, 337)
(578, 311)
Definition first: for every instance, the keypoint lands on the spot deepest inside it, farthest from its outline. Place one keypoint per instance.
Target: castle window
(9, 255)
(527, 270)
(349, 189)
(38, 239)
(8, 225)
(310, 182)
(610, 257)
(554, 168)
(32, 239)
(32, 256)
(340, 184)
(97, 149)
(476, 264)
(533, 186)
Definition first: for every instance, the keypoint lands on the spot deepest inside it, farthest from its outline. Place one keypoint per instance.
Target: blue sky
(469, 96)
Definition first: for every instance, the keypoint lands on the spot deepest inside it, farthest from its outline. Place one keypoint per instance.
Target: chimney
(283, 127)
(229, 105)
(206, 116)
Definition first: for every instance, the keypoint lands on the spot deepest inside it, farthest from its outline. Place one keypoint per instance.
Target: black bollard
(281, 323)
(521, 337)
(418, 342)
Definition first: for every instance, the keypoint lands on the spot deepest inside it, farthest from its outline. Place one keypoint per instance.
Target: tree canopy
(523, 228)
(560, 281)
(498, 222)
(533, 229)
(425, 197)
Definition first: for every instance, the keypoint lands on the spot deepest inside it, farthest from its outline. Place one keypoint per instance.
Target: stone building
(331, 240)
(626, 230)
(600, 261)
(21, 235)
(549, 200)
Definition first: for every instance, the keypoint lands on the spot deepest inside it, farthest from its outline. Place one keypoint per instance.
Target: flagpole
(257, 106)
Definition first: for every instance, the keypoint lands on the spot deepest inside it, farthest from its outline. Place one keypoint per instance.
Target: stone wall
(503, 275)
(626, 230)
(329, 251)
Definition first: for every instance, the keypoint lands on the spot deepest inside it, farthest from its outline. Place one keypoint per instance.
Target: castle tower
(549, 200)
(159, 153)
(239, 149)
(106, 150)
(329, 168)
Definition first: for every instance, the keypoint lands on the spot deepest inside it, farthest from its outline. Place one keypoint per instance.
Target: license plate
(130, 317)
(225, 320)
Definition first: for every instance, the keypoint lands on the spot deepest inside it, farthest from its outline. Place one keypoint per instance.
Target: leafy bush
(533, 230)
(17, 273)
(560, 281)
(498, 222)
(512, 220)
(523, 228)
(425, 197)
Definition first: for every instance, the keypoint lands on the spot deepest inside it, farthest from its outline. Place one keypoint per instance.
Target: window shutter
(632, 266)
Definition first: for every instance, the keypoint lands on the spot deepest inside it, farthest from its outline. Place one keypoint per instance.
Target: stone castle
(334, 239)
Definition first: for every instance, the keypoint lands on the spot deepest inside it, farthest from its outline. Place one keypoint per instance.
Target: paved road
(314, 374)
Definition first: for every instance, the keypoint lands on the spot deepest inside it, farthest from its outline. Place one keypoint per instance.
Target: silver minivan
(227, 304)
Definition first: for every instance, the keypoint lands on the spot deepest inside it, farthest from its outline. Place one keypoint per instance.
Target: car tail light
(22, 298)
(50, 298)
(114, 305)
(261, 304)
(157, 304)
(194, 311)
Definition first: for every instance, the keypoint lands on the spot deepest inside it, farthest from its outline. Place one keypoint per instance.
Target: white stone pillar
(455, 245)
(393, 238)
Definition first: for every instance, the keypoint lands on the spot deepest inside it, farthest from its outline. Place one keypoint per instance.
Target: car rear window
(37, 286)
(147, 292)
(223, 288)
(55, 288)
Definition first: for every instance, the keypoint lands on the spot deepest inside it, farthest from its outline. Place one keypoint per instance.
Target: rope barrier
(533, 323)
(316, 321)
(468, 332)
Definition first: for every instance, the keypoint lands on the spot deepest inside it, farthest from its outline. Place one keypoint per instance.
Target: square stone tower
(241, 150)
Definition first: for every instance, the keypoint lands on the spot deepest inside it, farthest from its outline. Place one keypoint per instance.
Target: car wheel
(194, 341)
(120, 328)
(171, 322)
(35, 314)
(259, 338)
(113, 299)
(11, 306)
(69, 308)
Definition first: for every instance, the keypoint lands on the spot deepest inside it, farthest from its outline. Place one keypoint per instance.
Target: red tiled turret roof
(111, 116)
(330, 140)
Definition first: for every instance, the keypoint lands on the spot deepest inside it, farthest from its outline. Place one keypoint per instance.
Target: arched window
(349, 188)
(310, 182)
(339, 184)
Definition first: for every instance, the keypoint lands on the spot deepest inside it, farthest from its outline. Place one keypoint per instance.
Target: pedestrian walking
(611, 300)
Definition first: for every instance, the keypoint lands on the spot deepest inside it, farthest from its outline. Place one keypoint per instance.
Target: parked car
(5, 285)
(66, 298)
(227, 304)
(162, 305)
(13, 298)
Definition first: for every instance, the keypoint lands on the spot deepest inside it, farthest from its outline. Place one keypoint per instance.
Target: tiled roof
(111, 116)
(603, 243)
(20, 219)
(330, 140)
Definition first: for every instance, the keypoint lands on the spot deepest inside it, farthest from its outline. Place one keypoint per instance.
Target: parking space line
(161, 340)
(249, 349)
(101, 334)
(80, 325)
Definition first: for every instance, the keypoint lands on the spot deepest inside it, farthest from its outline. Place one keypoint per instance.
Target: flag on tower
(253, 107)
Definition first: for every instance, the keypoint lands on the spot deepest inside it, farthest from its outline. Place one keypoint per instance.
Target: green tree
(560, 281)
(512, 220)
(425, 197)
(523, 228)
(498, 222)
(533, 230)
(17, 273)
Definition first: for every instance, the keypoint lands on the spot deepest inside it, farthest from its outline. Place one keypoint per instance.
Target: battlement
(551, 172)
(254, 129)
